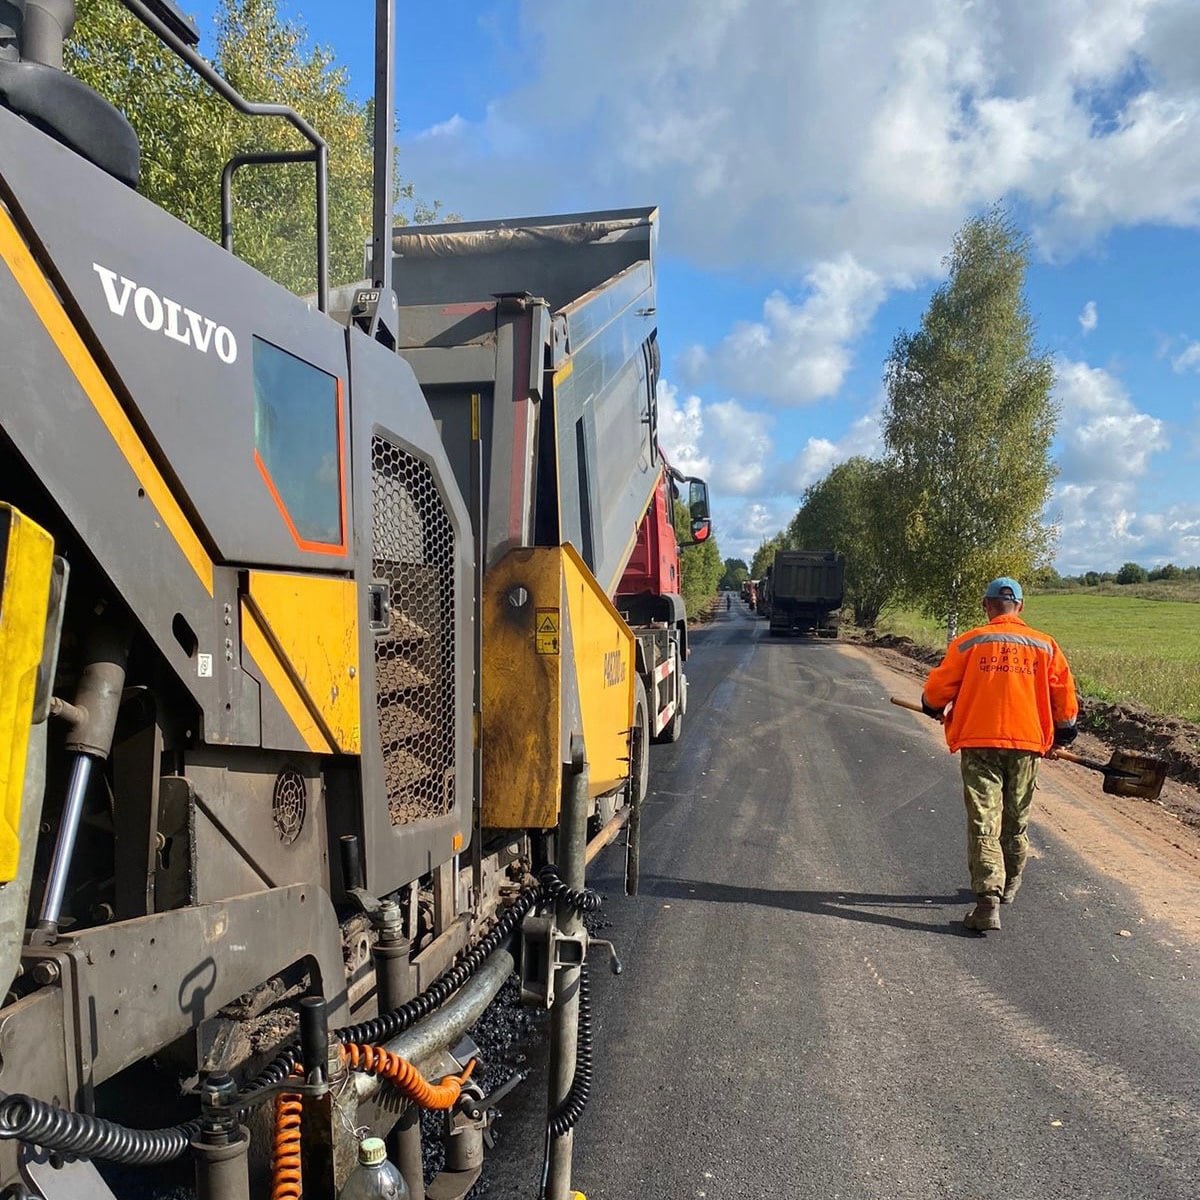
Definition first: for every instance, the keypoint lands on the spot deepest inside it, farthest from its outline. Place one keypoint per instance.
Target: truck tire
(639, 744)
(674, 727)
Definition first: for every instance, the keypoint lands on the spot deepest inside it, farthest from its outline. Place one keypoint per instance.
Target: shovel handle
(909, 705)
(1106, 769)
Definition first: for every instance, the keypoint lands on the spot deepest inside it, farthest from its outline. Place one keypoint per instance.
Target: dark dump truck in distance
(803, 592)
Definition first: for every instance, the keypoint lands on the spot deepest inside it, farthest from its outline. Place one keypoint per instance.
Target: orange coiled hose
(285, 1157)
(375, 1060)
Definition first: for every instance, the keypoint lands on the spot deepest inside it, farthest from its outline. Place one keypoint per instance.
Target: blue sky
(812, 160)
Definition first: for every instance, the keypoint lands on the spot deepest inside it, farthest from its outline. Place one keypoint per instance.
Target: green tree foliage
(1046, 578)
(187, 133)
(764, 556)
(967, 427)
(852, 511)
(736, 573)
(1132, 573)
(700, 566)
(1168, 571)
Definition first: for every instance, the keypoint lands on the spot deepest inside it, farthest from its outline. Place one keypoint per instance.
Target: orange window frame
(338, 549)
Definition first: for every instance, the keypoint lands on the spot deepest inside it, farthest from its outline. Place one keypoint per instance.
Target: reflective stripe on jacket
(1009, 684)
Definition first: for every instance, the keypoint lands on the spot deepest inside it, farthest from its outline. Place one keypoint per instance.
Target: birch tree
(967, 427)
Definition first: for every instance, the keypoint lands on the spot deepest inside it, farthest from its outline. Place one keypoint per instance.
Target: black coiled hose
(86, 1136)
(554, 887)
(27, 1119)
(566, 1116)
(391, 1024)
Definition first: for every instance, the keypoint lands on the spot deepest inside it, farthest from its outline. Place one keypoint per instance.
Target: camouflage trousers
(998, 790)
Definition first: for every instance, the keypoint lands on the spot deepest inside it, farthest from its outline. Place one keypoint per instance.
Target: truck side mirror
(701, 522)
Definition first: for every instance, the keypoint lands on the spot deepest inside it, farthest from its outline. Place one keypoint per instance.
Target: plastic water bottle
(374, 1178)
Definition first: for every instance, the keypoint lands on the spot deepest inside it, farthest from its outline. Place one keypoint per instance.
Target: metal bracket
(62, 1179)
(544, 949)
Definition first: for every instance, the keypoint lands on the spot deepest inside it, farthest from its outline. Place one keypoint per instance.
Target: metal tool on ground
(1127, 773)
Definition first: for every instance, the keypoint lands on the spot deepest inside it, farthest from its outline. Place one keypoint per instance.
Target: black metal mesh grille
(289, 804)
(413, 553)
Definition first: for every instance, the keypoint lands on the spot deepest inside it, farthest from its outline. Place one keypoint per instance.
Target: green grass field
(1122, 647)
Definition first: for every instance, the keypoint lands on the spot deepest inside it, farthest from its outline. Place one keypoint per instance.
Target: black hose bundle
(391, 1024)
(85, 1136)
(27, 1119)
(554, 887)
(566, 1116)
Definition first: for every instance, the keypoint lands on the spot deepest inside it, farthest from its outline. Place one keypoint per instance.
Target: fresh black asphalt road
(802, 1014)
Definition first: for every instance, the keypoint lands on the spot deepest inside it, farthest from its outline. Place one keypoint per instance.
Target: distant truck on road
(802, 592)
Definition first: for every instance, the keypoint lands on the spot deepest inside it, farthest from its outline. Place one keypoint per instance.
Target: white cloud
(1102, 528)
(1088, 318)
(722, 441)
(1103, 438)
(741, 528)
(783, 135)
(1188, 359)
(819, 456)
(681, 430)
(801, 350)
(1105, 448)
(452, 127)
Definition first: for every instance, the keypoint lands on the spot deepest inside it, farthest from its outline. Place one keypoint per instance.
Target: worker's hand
(929, 710)
(1064, 735)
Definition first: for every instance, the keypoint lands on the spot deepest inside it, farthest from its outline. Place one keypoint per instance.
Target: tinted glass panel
(296, 436)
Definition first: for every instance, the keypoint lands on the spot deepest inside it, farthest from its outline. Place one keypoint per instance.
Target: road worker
(1005, 694)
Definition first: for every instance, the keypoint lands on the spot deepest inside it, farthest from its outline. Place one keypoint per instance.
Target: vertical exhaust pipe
(46, 24)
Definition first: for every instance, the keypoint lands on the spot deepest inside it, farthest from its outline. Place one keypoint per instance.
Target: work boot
(1011, 886)
(985, 915)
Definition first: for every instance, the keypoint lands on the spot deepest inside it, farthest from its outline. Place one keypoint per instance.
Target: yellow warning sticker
(546, 631)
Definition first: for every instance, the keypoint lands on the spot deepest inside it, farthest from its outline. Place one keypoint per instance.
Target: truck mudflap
(32, 589)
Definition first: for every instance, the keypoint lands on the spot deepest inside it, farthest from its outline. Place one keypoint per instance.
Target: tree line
(958, 495)
(1129, 572)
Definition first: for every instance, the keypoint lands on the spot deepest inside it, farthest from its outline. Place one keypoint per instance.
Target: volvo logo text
(614, 668)
(168, 317)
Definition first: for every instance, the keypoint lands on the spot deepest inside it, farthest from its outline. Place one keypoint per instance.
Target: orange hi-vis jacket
(1008, 684)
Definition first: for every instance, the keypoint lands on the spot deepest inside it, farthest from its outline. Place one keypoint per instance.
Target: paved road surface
(801, 1014)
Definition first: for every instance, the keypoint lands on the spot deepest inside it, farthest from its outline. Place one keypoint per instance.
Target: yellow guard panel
(604, 667)
(522, 691)
(532, 599)
(311, 623)
(26, 562)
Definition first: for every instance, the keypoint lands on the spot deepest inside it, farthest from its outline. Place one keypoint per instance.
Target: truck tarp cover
(557, 258)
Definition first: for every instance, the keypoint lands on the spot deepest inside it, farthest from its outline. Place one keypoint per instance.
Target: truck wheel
(639, 744)
(674, 726)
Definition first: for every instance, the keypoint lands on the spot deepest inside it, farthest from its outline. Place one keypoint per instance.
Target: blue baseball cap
(1004, 588)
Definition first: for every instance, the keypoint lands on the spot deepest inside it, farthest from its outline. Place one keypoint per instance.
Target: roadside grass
(1122, 648)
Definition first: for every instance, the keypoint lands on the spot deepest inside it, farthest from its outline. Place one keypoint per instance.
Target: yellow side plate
(26, 562)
